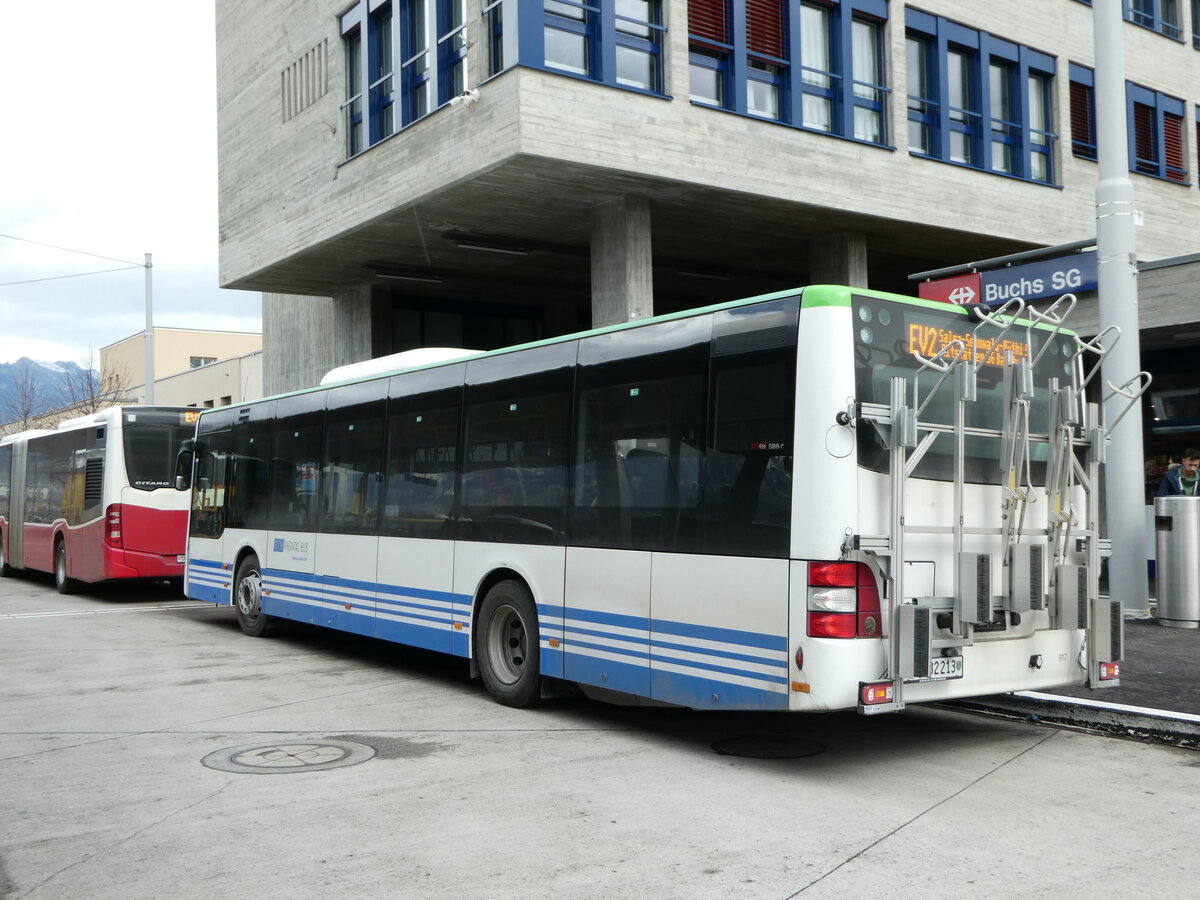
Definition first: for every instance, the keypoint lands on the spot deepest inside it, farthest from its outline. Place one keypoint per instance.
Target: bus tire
(507, 647)
(65, 584)
(5, 569)
(247, 598)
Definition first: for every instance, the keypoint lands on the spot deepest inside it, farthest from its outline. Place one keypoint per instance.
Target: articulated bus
(95, 498)
(821, 499)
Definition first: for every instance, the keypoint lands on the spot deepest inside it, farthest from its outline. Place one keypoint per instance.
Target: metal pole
(1116, 265)
(148, 399)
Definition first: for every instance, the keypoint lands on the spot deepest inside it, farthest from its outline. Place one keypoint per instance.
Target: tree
(89, 390)
(24, 401)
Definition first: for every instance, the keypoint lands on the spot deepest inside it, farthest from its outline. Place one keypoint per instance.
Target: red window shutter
(1173, 146)
(764, 27)
(1083, 128)
(1143, 139)
(709, 19)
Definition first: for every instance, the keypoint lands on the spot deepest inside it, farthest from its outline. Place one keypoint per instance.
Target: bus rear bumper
(138, 564)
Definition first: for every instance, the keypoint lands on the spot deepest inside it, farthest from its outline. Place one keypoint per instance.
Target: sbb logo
(962, 295)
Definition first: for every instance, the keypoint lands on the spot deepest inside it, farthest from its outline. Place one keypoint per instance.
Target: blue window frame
(812, 64)
(452, 50)
(380, 68)
(978, 100)
(618, 43)
(1083, 112)
(1157, 15)
(404, 58)
(1156, 134)
(1196, 24)
(352, 108)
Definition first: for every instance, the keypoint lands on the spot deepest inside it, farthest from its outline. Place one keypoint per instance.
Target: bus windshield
(887, 334)
(152, 442)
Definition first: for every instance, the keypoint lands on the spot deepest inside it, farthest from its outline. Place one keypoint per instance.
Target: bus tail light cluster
(843, 601)
(112, 526)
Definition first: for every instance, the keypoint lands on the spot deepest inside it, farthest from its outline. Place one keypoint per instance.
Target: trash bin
(1177, 546)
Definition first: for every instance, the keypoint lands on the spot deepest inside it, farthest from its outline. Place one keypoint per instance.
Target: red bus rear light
(112, 526)
(832, 625)
(832, 574)
(876, 692)
(843, 600)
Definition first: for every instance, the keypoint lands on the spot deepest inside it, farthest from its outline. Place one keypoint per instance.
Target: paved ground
(1161, 669)
(126, 714)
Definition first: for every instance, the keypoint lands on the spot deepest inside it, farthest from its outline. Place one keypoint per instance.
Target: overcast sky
(109, 147)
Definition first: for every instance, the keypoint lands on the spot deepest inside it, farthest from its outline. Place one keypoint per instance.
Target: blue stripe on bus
(780, 662)
(699, 693)
(607, 673)
(206, 563)
(208, 593)
(414, 635)
(722, 635)
(375, 586)
(724, 670)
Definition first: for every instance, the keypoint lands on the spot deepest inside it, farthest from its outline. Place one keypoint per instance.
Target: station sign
(1031, 281)
(1045, 278)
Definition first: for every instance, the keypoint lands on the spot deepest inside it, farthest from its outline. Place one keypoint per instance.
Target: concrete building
(474, 173)
(192, 367)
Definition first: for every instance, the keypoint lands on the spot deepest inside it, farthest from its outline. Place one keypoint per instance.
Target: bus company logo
(285, 546)
(278, 545)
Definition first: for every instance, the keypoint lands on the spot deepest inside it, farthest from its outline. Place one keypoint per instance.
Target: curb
(1155, 726)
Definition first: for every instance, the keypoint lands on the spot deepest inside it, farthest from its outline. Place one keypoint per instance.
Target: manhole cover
(293, 756)
(768, 746)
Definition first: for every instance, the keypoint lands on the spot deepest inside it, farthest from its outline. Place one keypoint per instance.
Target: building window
(493, 30)
(923, 109)
(867, 71)
(452, 50)
(1156, 135)
(616, 43)
(1083, 113)
(353, 107)
(817, 64)
(708, 51)
(379, 65)
(978, 100)
(1196, 24)
(195, 362)
(1157, 15)
(421, 41)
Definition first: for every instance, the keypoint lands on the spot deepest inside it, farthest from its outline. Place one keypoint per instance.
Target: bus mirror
(183, 466)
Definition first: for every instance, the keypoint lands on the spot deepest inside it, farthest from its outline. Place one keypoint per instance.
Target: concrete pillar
(361, 325)
(838, 259)
(296, 346)
(622, 273)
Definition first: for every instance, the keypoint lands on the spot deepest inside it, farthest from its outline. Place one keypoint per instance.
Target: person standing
(1182, 480)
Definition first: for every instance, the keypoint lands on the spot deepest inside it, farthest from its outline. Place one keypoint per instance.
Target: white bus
(95, 499)
(821, 499)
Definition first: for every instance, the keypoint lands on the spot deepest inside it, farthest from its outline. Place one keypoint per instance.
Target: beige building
(175, 351)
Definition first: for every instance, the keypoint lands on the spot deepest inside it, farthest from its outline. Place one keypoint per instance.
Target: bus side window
(422, 444)
(748, 468)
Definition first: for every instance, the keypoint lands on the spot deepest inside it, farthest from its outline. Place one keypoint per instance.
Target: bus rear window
(152, 443)
(887, 334)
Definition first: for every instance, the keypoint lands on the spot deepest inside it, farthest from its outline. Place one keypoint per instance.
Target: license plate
(181, 559)
(943, 667)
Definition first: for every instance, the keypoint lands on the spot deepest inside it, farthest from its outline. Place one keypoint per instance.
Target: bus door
(15, 552)
(347, 542)
(209, 576)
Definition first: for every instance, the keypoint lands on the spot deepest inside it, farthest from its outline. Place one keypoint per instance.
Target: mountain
(49, 381)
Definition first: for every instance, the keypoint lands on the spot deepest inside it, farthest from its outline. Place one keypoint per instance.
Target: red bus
(94, 499)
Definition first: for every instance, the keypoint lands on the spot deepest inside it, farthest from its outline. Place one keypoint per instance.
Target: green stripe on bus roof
(811, 296)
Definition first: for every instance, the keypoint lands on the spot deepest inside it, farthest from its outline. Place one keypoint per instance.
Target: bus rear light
(799, 657)
(832, 625)
(112, 526)
(843, 600)
(876, 692)
(1110, 671)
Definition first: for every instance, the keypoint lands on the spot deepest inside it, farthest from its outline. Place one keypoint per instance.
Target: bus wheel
(64, 584)
(247, 598)
(5, 569)
(507, 646)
